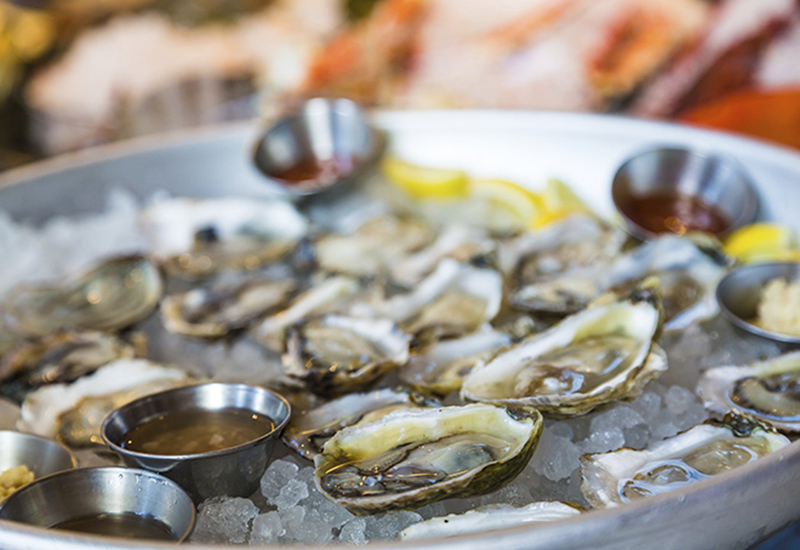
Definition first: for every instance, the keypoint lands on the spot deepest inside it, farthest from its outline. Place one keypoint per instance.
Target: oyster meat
(113, 295)
(603, 353)
(333, 354)
(411, 457)
(74, 412)
(308, 431)
(488, 518)
(226, 306)
(196, 237)
(58, 358)
(713, 448)
(768, 390)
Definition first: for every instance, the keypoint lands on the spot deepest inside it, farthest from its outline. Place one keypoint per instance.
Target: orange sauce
(315, 173)
(672, 212)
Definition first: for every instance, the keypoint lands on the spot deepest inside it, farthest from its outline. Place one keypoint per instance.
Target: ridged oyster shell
(488, 518)
(115, 294)
(614, 478)
(601, 354)
(415, 456)
(768, 390)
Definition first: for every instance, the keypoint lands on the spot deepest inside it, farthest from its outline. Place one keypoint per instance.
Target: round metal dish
(734, 510)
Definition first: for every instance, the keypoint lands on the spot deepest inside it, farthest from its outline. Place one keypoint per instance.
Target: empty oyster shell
(113, 295)
(768, 390)
(487, 518)
(335, 354)
(411, 457)
(603, 353)
(225, 307)
(308, 431)
(197, 237)
(58, 358)
(74, 412)
(441, 368)
(610, 479)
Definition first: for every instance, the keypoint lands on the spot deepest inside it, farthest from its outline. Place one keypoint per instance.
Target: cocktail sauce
(673, 212)
(314, 173)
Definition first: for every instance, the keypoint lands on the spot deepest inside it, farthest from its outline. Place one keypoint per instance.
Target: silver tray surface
(733, 510)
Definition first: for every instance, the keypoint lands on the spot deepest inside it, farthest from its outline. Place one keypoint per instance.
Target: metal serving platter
(733, 510)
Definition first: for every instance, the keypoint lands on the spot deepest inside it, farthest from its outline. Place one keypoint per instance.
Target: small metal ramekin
(335, 131)
(235, 471)
(739, 292)
(42, 456)
(716, 180)
(89, 492)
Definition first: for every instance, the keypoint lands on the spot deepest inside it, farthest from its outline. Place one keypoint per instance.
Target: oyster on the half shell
(411, 457)
(611, 479)
(601, 354)
(768, 390)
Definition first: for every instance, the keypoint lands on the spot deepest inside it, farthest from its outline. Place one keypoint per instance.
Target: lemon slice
(423, 182)
(760, 242)
(560, 201)
(508, 206)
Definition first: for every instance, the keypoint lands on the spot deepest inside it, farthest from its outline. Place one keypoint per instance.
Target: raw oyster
(610, 479)
(411, 457)
(768, 390)
(194, 237)
(331, 295)
(73, 412)
(113, 295)
(441, 368)
(603, 353)
(308, 431)
(226, 306)
(58, 358)
(454, 300)
(333, 354)
(487, 518)
(372, 247)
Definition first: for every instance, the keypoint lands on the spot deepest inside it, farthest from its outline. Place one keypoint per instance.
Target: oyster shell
(58, 358)
(488, 518)
(224, 307)
(333, 354)
(308, 431)
(441, 368)
(768, 390)
(411, 457)
(73, 412)
(601, 354)
(373, 247)
(196, 237)
(614, 478)
(113, 295)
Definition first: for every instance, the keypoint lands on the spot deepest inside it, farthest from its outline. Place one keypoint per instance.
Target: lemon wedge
(508, 206)
(423, 182)
(560, 201)
(761, 242)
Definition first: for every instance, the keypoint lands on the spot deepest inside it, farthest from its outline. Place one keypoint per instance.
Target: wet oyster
(768, 390)
(411, 457)
(372, 247)
(454, 300)
(603, 353)
(74, 412)
(194, 237)
(113, 295)
(225, 307)
(441, 368)
(58, 358)
(487, 518)
(333, 354)
(308, 431)
(610, 479)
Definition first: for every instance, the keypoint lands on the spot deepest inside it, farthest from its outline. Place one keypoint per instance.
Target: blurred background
(76, 73)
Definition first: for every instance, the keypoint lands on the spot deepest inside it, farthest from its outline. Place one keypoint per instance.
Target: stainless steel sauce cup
(235, 471)
(90, 492)
(42, 456)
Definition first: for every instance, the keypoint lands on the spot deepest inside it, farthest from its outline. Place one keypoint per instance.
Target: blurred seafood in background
(79, 73)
